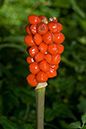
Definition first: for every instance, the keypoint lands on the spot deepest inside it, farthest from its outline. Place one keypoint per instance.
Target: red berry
(29, 40)
(43, 17)
(54, 66)
(56, 59)
(60, 48)
(39, 57)
(42, 28)
(60, 27)
(59, 37)
(51, 73)
(30, 60)
(33, 28)
(41, 77)
(34, 68)
(31, 79)
(44, 66)
(27, 28)
(33, 50)
(43, 47)
(37, 38)
(48, 37)
(53, 26)
(52, 48)
(33, 19)
(48, 58)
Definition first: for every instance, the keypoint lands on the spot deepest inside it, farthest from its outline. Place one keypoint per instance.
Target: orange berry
(59, 37)
(33, 50)
(51, 73)
(27, 28)
(48, 37)
(60, 48)
(41, 77)
(43, 17)
(60, 27)
(29, 40)
(42, 28)
(48, 58)
(33, 28)
(34, 68)
(54, 66)
(55, 59)
(53, 26)
(31, 79)
(43, 47)
(52, 48)
(44, 66)
(30, 60)
(37, 38)
(33, 19)
(39, 57)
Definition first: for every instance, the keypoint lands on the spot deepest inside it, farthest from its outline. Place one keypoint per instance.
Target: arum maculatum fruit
(44, 38)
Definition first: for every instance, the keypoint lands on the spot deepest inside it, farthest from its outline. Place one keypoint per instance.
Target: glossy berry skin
(33, 28)
(34, 68)
(31, 79)
(44, 66)
(58, 37)
(43, 17)
(33, 19)
(39, 57)
(52, 48)
(54, 66)
(60, 48)
(29, 40)
(41, 77)
(42, 28)
(43, 47)
(60, 27)
(30, 60)
(48, 37)
(48, 58)
(51, 73)
(56, 59)
(33, 50)
(27, 29)
(37, 38)
(53, 26)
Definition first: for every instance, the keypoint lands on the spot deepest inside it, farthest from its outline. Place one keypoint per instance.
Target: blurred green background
(66, 94)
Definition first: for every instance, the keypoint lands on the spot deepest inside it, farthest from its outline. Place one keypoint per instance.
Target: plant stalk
(40, 101)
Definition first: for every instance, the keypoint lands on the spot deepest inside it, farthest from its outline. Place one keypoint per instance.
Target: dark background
(65, 94)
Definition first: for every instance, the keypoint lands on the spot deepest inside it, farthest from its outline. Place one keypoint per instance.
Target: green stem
(40, 100)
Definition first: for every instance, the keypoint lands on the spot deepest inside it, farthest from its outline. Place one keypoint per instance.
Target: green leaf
(7, 124)
(50, 115)
(77, 8)
(8, 45)
(61, 3)
(83, 118)
(28, 126)
(75, 125)
(1, 2)
(82, 106)
(84, 127)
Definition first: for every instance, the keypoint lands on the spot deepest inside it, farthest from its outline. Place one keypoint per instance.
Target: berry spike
(44, 38)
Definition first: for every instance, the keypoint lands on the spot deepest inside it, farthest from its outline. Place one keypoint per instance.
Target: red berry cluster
(44, 47)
